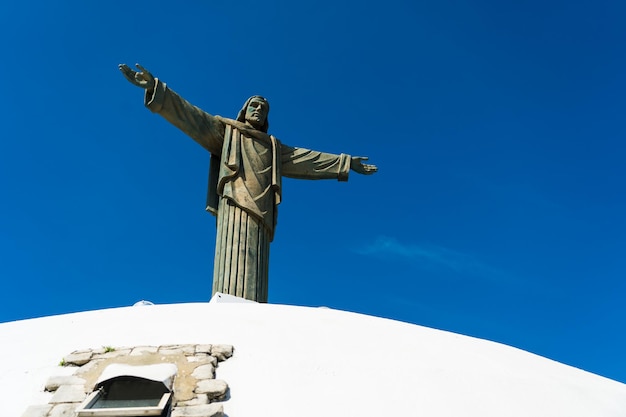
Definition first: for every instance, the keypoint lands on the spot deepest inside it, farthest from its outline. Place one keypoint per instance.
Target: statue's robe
(244, 187)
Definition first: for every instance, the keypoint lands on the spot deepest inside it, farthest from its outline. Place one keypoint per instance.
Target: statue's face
(256, 113)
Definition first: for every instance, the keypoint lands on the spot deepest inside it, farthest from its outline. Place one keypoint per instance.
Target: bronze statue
(247, 165)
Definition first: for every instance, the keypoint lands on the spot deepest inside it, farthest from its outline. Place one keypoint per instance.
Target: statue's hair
(241, 117)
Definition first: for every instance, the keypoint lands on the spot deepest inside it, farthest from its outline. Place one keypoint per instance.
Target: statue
(245, 173)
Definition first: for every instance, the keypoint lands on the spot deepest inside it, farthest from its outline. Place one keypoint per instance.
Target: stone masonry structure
(196, 392)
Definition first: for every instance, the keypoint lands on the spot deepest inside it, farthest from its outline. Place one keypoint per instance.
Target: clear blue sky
(498, 128)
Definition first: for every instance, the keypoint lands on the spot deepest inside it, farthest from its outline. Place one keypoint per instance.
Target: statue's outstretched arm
(313, 165)
(357, 165)
(196, 123)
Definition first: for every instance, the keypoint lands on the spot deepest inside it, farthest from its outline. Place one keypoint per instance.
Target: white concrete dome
(301, 361)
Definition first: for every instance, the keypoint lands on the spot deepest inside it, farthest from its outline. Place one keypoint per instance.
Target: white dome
(316, 361)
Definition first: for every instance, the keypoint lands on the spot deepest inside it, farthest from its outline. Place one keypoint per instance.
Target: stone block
(55, 382)
(187, 349)
(89, 366)
(78, 358)
(83, 350)
(37, 410)
(69, 394)
(140, 350)
(199, 399)
(171, 351)
(203, 349)
(208, 410)
(216, 389)
(206, 371)
(112, 354)
(63, 410)
(222, 352)
(202, 357)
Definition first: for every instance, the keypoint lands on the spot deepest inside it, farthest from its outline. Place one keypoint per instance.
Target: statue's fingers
(361, 158)
(128, 73)
(125, 69)
(145, 71)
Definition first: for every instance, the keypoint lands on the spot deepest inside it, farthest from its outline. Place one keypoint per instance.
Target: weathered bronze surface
(247, 165)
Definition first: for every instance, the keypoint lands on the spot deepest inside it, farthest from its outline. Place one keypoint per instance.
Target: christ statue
(245, 173)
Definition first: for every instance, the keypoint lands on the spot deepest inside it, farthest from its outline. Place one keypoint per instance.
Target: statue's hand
(357, 165)
(141, 78)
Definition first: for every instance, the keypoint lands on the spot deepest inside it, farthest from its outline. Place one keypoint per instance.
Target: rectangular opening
(98, 405)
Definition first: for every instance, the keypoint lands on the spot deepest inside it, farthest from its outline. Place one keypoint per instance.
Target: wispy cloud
(431, 256)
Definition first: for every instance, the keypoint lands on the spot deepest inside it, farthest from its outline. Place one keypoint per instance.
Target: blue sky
(498, 129)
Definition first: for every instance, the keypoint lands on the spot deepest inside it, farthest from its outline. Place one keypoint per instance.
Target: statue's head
(254, 113)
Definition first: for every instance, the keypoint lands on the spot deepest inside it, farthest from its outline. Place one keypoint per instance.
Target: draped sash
(249, 180)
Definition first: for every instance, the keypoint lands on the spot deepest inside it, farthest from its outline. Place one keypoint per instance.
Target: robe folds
(244, 187)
